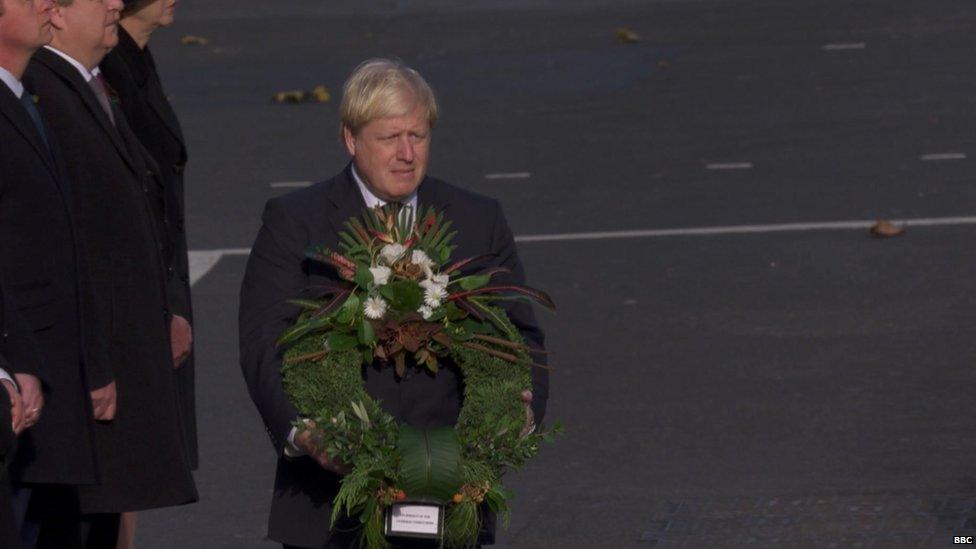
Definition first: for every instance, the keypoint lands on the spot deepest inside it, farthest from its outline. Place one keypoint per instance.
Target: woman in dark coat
(131, 71)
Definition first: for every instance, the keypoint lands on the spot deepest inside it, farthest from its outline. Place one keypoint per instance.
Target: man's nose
(404, 149)
(115, 5)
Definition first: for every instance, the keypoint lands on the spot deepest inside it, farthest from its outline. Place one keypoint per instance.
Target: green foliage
(461, 466)
(430, 463)
(403, 295)
(461, 525)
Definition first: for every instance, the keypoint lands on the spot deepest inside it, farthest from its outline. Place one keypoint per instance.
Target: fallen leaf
(292, 96)
(191, 40)
(885, 229)
(627, 36)
(321, 94)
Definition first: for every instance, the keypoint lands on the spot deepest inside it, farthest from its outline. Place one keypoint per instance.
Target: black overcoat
(131, 72)
(38, 256)
(278, 271)
(143, 458)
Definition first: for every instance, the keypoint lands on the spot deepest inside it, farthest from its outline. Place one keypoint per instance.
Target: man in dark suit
(38, 256)
(16, 343)
(142, 454)
(387, 113)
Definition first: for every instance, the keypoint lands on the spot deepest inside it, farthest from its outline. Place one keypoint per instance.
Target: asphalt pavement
(732, 366)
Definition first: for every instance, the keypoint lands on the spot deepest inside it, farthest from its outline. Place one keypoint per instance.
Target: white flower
(421, 259)
(433, 296)
(426, 312)
(392, 252)
(381, 275)
(374, 308)
(434, 281)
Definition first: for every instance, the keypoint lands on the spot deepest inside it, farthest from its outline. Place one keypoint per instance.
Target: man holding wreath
(387, 113)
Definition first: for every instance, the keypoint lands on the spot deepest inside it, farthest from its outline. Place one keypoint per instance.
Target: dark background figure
(143, 457)
(38, 259)
(131, 71)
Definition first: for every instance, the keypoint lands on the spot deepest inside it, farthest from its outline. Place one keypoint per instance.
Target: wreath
(402, 302)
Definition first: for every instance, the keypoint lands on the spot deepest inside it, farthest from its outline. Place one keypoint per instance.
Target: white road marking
(844, 47)
(202, 261)
(943, 156)
(512, 175)
(290, 184)
(745, 229)
(729, 166)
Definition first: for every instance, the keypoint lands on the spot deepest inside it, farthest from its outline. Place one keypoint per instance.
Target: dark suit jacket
(131, 71)
(277, 271)
(142, 454)
(38, 256)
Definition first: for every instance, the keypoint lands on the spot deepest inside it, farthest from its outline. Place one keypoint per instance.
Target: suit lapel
(74, 79)
(19, 119)
(345, 199)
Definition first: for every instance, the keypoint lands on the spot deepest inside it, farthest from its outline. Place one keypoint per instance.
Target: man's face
(25, 24)
(89, 27)
(391, 153)
(157, 13)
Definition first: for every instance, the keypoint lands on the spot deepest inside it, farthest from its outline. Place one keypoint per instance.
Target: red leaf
(538, 295)
(465, 262)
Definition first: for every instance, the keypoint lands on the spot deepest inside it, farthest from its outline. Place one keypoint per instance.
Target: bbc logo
(964, 539)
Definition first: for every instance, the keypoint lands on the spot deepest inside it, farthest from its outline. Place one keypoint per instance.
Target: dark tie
(97, 84)
(28, 101)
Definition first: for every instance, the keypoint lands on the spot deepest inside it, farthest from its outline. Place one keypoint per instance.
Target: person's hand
(180, 339)
(16, 406)
(529, 426)
(32, 397)
(104, 402)
(310, 442)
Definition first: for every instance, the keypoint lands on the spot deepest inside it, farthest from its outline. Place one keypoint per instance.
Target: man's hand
(180, 339)
(529, 426)
(16, 407)
(311, 443)
(32, 397)
(104, 402)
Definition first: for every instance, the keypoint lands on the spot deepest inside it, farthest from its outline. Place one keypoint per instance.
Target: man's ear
(349, 139)
(57, 17)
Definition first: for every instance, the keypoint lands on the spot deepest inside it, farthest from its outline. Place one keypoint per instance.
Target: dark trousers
(9, 537)
(99, 531)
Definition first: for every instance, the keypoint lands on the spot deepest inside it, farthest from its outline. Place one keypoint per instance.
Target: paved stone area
(859, 521)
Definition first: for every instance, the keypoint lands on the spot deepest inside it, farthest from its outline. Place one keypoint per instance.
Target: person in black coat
(387, 112)
(131, 71)
(142, 454)
(38, 256)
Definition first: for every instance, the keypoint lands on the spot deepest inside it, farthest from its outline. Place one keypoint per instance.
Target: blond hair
(381, 88)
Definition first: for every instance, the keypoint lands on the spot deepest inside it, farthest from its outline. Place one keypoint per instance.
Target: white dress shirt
(11, 81)
(4, 375)
(85, 73)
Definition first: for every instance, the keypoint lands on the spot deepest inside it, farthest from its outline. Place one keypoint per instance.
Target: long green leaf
(430, 463)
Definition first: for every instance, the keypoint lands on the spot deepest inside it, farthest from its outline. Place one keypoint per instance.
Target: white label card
(410, 518)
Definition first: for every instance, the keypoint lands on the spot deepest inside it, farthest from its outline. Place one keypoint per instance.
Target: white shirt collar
(11, 81)
(372, 200)
(85, 73)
